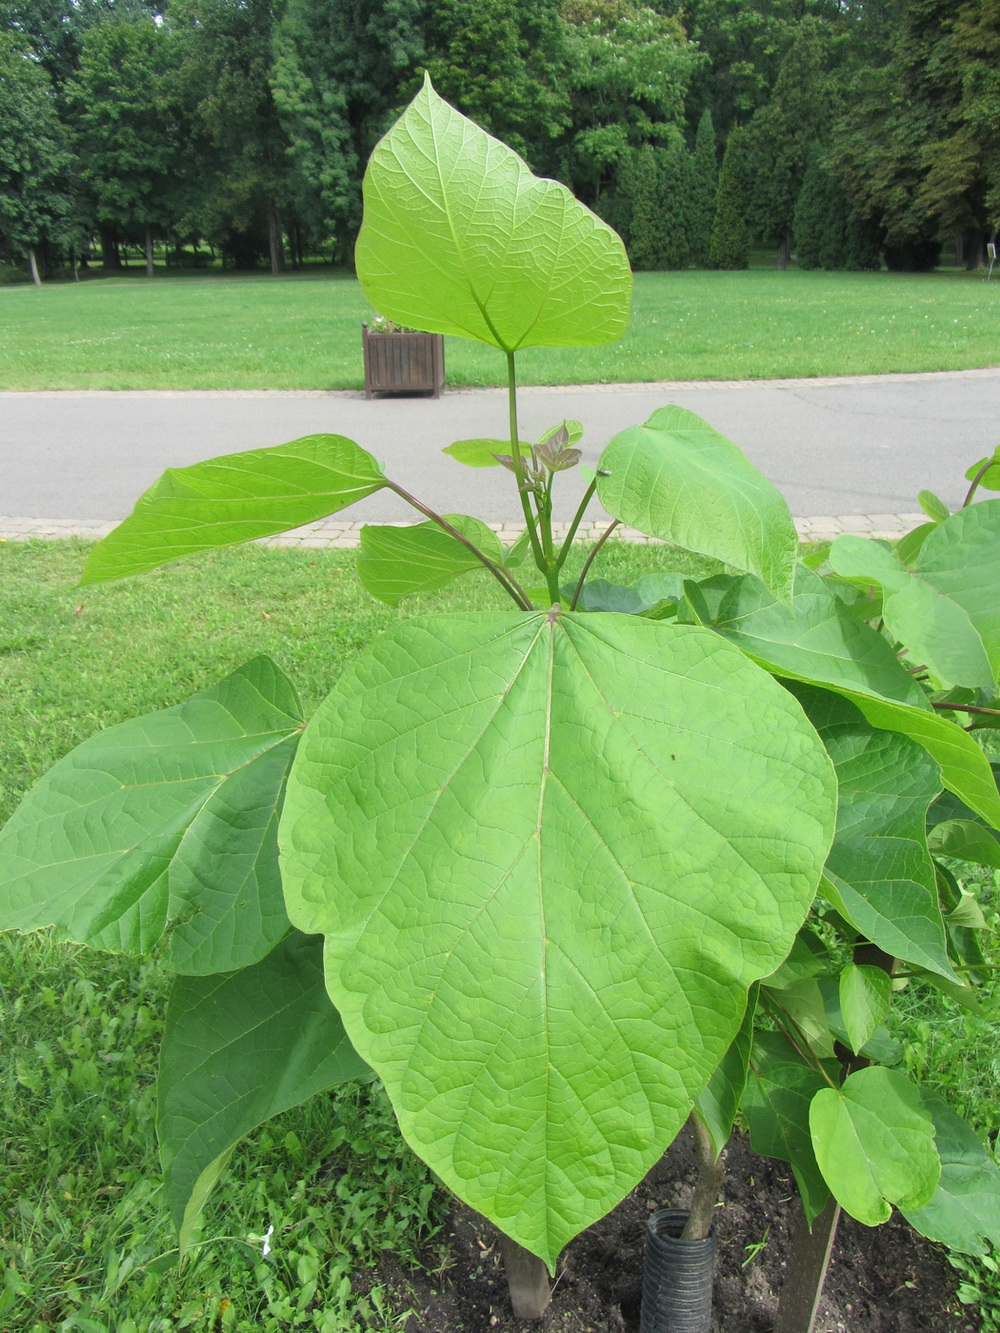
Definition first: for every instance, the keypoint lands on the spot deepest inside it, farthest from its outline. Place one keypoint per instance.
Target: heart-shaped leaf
(164, 825)
(864, 1001)
(677, 478)
(459, 237)
(874, 1142)
(238, 1049)
(543, 909)
(483, 453)
(235, 498)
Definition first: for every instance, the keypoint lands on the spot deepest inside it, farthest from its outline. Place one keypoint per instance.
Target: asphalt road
(834, 447)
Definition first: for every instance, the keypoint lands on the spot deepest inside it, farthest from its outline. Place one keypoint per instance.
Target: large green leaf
(235, 498)
(936, 629)
(874, 1142)
(459, 237)
(964, 1211)
(238, 1049)
(679, 479)
(818, 640)
(164, 829)
(879, 873)
(776, 1106)
(961, 559)
(543, 901)
(396, 562)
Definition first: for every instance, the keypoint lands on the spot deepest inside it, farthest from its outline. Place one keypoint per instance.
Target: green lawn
(302, 331)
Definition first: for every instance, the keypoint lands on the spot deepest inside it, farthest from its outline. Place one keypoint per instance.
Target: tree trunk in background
(110, 258)
(149, 253)
(35, 278)
(784, 253)
(274, 236)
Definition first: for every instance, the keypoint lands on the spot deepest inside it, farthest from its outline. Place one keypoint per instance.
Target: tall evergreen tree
(704, 184)
(729, 243)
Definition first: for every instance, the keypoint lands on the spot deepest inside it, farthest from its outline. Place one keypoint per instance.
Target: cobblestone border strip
(331, 533)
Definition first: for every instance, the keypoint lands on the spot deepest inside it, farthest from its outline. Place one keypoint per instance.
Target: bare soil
(881, 1280)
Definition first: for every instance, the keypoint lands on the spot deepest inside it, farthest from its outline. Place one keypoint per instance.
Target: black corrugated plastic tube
(676, 1277)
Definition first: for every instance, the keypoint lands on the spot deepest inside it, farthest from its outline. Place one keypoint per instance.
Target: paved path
(848, 454)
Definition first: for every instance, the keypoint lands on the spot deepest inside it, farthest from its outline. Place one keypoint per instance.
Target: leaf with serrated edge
(677, 478)
(163, 826)
(964, 1211)
(235, 498)
(397, 562)
(874, 1142)
(459, 237)
(542, 908)
(238, 1049)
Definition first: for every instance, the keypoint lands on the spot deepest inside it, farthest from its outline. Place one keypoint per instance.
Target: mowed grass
(303, 331)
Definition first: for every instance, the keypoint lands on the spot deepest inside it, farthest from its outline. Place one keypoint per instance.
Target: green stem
(509, 584)
(588, 562)
(975, 482)
(515, 449)
(577, 519)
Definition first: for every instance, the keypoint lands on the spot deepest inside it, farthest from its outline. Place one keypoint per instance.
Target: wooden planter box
(403, 362)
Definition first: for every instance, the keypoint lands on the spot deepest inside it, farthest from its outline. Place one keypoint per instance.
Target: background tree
(704, 184)
(123, 131)
(729, 243)
(341, 71)
(35, 204)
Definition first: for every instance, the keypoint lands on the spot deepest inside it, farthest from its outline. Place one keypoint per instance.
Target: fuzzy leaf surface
(677, 478)
(164, 826)
(459, 237)
(235, 498)
(396, 562)
(543, 909)
(874, 1142)
(238, 1049)
(964, 1211)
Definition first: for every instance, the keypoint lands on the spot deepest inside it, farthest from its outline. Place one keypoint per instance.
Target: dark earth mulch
(881, 1280)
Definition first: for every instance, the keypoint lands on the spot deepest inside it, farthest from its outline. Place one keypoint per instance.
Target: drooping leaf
(483, 453)
(874, 1142)
(990, 480)
(235, 498)
(964, 1211)
(879, 873)
(719, 1104)
(459, 237)
(396, 562)
(817, 640)
(934, 507)
(965, 840)
(600, 595)
(776, 1105)
(238, 1049)
(677, 478)
(543, 909)
(864, 1001)
(164, 828)
(943, 611)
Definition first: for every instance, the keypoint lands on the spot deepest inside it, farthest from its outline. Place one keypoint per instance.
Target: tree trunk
(784, 253)
(35, 277)
(274, 236)
(110, 258)
(149, 253)
(711, 1172)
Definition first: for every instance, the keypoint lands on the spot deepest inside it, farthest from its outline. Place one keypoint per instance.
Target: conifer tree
(704, 184)
(729, 244)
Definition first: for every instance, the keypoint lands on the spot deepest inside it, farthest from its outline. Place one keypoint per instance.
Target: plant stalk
(711, 1172)
(577, 519)
(588, 562)
(509, 584)
(975, 482)
(515, 449)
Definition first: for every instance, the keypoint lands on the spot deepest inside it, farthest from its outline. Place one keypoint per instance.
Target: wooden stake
(808, 1260)
(527, 1280)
